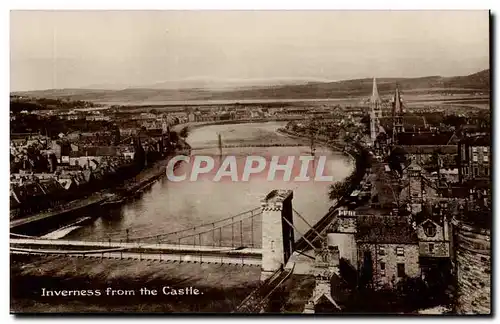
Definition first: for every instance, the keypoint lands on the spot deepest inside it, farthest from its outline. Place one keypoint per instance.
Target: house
(91, 156)
(434, 232)
(424, 154)
(474, 158)
(388, 250)
(381, 249)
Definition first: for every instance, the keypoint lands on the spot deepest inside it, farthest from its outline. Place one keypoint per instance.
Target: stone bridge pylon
(277, 231)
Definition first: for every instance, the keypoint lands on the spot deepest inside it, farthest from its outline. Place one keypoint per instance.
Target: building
(91, 156)
(388, 251)
(419, 189)
(434, 232)
(474, 158)
(381, 249)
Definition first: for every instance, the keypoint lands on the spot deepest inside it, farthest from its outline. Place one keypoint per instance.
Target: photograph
(256, 162)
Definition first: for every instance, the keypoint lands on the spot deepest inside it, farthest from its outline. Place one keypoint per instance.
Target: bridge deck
(180, 258)
(174, 248)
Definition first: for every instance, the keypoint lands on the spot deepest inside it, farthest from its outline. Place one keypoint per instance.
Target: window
(382, 268)
(474, 149)
(430, 229)
(485, 149)
(401, 270)
(474, 158)
(431, 248)
(485, 158)
(400, 251)
(381, 251)
(476, 172)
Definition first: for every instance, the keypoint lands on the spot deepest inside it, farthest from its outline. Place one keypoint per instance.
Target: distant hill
(313, 90)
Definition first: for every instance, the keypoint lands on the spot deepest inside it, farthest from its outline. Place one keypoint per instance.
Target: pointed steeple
(375, 98)
(397, 110)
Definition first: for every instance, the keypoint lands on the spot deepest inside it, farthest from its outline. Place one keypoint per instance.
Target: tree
(184, 132)
(365, 120)
(396, 158)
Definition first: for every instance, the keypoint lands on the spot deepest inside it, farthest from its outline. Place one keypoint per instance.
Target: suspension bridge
(225, 146)
(263, 236)
(236, 239)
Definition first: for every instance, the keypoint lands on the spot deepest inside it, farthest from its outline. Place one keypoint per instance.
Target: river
(170, 206)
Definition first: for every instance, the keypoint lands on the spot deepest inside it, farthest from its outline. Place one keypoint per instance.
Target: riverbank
(111, 196)
(90, 201)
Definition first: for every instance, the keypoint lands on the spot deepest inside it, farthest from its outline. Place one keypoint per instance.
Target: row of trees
(29, 104)
(340, 189)
(53, 125)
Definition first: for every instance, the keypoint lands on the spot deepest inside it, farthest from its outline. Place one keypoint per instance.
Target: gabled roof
(429, 213)
(95, 151)
(385, 230)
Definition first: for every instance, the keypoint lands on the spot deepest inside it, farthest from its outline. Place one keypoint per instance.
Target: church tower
(397, 116)
(375, 112)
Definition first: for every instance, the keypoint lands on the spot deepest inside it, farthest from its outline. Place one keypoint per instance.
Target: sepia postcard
(255, 162)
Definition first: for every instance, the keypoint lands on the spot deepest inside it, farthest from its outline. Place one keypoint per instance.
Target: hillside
(313, 90)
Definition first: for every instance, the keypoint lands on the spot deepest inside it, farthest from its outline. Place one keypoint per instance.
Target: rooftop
(427, 138)
(385, 230)
(480, 140)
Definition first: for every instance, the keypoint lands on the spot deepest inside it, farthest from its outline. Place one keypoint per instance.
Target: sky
(116, 49)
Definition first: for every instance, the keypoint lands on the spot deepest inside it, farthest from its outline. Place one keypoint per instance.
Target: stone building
(434, 232)
(387, 249)
(419, 188)
(474, 158)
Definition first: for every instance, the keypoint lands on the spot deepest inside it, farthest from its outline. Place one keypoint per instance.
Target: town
(412, 222)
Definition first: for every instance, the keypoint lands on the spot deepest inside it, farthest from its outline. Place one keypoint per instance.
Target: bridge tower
(277, 232)
(375, 112)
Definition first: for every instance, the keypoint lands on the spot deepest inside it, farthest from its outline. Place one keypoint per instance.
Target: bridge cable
(311, 227)
(198, 226)
(303, 236)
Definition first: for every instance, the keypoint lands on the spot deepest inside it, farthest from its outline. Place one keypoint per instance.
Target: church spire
(375, 96)
(375, 113)
(397, 108)
(397, 116)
